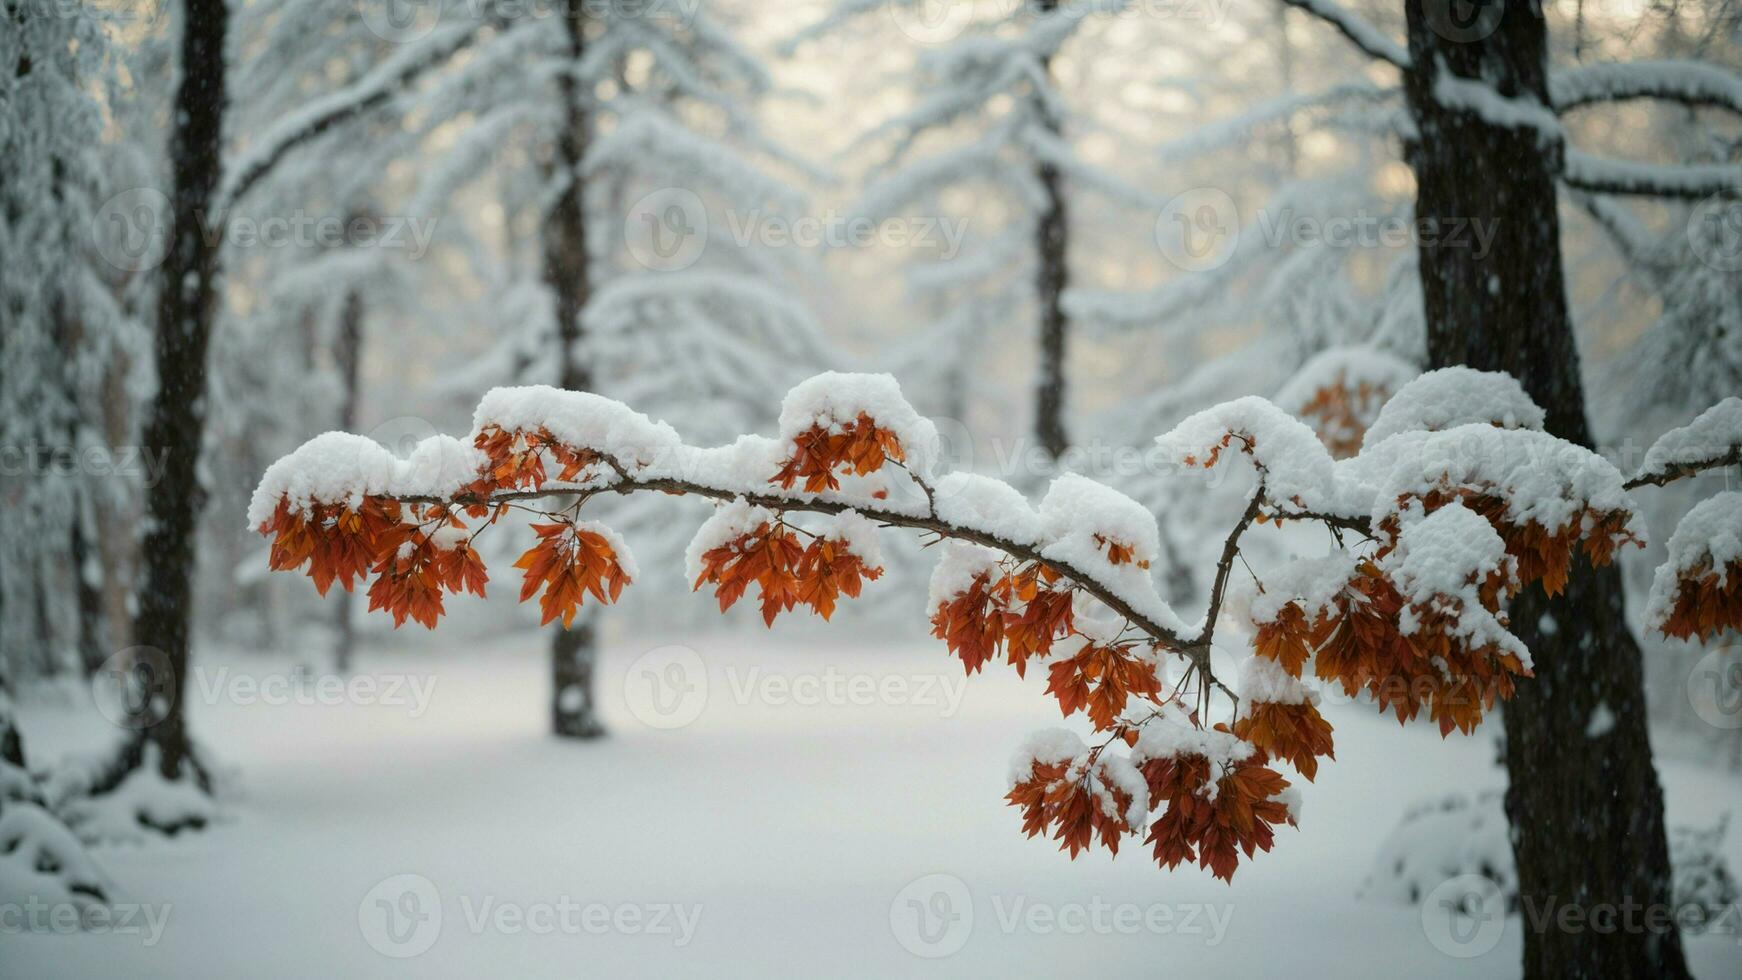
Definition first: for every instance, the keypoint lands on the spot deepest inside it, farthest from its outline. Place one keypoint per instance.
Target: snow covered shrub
(1455, 835)
(1456, 501)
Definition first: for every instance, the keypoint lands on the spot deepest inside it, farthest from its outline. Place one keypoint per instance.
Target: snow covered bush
(1463, 502)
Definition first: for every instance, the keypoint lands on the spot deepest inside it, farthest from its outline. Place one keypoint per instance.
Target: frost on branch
(1698, 592)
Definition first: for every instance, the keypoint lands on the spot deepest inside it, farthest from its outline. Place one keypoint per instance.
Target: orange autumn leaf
(570, 562)
(1294, 733)
(1074, 803)
(1102, 680)
(1704, 603)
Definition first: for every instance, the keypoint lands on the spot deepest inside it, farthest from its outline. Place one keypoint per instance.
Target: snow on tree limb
(1455, 521)
(320, 115)
(1597, 175)
(1692, 83)
(1711, 441)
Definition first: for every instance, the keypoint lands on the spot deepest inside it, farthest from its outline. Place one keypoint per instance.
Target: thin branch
(1597, 175)
(1360, 33)
(1691, 83)
(372, 90)
(1230, 548)
(1677, 472)
(625, 484)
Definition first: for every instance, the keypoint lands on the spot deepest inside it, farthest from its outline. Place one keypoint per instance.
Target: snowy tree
(1459, 497)
(66, 335)
(625, 134)
(996, 81)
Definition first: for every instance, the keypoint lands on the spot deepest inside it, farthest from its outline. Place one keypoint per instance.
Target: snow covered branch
(1691, 83)
(1600, 176)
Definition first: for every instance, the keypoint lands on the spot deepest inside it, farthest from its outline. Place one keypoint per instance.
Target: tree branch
(1690, 83)
(1360, 33)
(1680, 470)
(1600, 176)
(323, 115)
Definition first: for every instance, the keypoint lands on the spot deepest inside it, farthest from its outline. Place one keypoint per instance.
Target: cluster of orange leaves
(785, 572)
(1077, 805)
(1340, 415)
(1705, 606)
(570, 562)
(859, 447)
(1356, 641)
(1102, 679)
(1214, 832)
(1021, 612)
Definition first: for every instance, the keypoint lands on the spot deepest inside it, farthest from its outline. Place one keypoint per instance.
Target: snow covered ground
(766, 806)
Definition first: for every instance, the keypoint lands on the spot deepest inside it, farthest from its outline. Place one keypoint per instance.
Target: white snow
(1296, 466)
(1262, 680)
(834, 399)
(1351, 368)
(730, 521)
(1716, 433)
(1454, 396)
(1440, 563)
(1076, 509)
(1709, 537)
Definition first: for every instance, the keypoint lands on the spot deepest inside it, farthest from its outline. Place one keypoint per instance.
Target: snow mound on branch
(1452, 397)
(41, 860)
(1542, 478)
(1345, 367)
(1312, 583)
(1296, 465)
(986, 504)
(338, 467)
(730, 521)
(1049, 746)
(439, 466)
(1710, 536)
(960, 564)
(1173, 734)
(834, 399)
(1448, 554)
(334, 467)
(579, 419)
(1715, 434)
(1076, 509)
(1262, 680)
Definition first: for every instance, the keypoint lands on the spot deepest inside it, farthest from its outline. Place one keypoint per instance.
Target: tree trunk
(1052, 275)
(1586, 811)
(348, 353)
(567, 273)
(176, 421)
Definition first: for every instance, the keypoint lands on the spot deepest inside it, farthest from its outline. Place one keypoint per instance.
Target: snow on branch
(1362, 34)
(1596, 175)
(1692, 83)
(323, 114)
(1453, 521)
(1711, 441)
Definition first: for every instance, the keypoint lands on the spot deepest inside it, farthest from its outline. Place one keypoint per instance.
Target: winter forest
(579, 487)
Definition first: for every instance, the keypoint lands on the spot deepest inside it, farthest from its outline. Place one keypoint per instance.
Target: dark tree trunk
(176, 420)
(567, 272)
(93, 648)
(1052, 276)
(348, 353)
(1586, 812)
